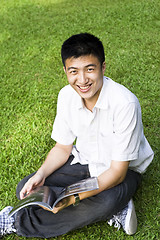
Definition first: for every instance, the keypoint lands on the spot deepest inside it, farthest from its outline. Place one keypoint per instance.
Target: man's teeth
(84, 87)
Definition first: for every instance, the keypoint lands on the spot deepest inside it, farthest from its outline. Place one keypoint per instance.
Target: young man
(105, 120)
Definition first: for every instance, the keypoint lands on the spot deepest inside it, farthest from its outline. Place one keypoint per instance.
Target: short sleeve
(61, 132)
(127, 132)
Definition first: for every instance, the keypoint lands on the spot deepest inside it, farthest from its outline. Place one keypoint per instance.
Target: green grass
(31, 73)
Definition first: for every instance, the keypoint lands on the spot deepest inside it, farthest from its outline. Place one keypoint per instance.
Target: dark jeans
(36, 222)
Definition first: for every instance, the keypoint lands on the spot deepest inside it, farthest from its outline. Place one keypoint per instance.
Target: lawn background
(31, 74)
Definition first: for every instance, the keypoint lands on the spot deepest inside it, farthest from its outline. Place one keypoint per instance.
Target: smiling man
(104, 118)
(85, 75)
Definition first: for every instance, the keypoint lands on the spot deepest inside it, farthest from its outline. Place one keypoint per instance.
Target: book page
(42, 196)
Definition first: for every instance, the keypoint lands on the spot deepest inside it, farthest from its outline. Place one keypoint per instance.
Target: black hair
(81, 45)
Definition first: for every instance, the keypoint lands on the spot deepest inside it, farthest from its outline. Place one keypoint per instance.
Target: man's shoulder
(68, 96)
(66, 92)
(119, 94)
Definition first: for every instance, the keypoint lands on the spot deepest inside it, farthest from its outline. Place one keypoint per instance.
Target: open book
(46, 198)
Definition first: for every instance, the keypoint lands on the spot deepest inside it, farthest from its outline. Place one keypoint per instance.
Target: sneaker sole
(131, 219)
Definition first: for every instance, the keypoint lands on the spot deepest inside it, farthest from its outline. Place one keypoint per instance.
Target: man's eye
(90, 69)
(73, 72)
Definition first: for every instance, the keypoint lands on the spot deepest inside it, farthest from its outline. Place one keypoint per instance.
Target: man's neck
(90, 103)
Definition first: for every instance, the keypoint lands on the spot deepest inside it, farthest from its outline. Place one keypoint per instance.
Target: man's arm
(56, 158)
(108, 179)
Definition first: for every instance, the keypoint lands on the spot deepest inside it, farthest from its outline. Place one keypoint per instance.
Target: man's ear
(64, 68)
(103, 67)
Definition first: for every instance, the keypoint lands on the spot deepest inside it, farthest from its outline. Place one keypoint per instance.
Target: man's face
(85, 75)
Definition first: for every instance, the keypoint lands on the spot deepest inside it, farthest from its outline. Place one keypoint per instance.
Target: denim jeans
(37, 222)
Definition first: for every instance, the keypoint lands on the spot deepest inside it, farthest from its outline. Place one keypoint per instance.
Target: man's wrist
(41, 172)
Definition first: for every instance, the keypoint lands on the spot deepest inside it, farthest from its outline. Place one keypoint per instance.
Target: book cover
(45, 197)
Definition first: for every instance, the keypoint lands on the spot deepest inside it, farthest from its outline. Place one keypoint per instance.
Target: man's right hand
(56, 158)
(35, 181)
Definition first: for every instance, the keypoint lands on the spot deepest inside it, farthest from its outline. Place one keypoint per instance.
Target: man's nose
(82, 78)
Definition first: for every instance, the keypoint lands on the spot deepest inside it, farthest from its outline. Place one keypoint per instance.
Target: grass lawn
(31, 74)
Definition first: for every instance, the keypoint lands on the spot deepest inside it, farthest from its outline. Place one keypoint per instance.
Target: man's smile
(85, 88)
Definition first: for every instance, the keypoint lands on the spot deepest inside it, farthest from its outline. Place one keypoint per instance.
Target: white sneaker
(126, 218)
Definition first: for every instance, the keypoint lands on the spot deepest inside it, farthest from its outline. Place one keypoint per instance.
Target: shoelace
(119, 219)
(115, 221)
(8, 230)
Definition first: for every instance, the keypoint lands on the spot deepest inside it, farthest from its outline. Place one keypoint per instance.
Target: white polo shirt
(112, 131)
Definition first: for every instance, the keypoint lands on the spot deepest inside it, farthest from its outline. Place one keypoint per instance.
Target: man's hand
(35, 181)
(63, 204)
(56, 158)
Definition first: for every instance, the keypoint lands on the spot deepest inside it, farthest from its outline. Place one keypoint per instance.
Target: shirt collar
(78, 101)
(102, 102)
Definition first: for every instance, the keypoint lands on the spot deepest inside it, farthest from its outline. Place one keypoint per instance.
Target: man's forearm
(108, 179)
(56, 158)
